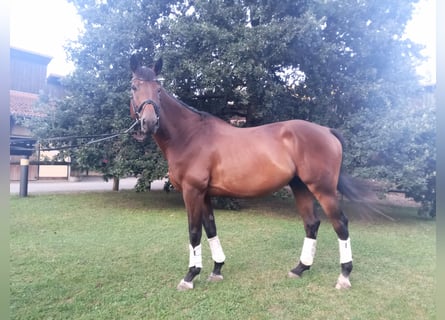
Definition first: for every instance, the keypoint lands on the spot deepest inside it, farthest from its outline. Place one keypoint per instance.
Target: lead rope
(114, 135)
(111, 136)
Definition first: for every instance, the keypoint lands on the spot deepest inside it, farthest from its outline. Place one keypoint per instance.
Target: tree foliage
(345, 64)
(398, 147)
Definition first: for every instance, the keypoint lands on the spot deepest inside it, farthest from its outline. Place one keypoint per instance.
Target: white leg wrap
(195, 257)
(345, 250)
(308, 251)
(217, 251)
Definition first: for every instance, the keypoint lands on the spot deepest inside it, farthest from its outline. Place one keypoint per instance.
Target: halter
(141, 108)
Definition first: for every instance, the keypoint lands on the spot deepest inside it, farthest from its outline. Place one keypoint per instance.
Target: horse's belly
(252, 164)
(249, 183)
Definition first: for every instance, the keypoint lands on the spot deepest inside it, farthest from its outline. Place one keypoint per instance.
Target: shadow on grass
(271, 205)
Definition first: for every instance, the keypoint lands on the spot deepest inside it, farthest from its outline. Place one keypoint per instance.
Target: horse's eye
(133, 87)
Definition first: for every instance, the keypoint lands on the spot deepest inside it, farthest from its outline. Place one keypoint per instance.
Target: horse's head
(145, 103)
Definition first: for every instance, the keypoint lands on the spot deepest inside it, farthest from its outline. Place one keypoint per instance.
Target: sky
(44, 26)
(422, 29)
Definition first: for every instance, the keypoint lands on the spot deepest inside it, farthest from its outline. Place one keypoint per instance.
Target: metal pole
(24, 168)
(38, 161)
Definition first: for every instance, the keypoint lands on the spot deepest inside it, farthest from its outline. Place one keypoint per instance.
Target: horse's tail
(354, 189)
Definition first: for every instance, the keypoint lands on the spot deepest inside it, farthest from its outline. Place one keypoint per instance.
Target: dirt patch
(398, 199)
(392, 199)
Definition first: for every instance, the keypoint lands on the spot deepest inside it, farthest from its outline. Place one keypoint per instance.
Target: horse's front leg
(214, 243)
(194, 203)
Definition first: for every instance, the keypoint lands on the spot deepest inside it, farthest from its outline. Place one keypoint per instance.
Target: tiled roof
(23, 104)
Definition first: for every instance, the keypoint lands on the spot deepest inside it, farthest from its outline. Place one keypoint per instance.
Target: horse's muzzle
(139, 136)
(149, 126)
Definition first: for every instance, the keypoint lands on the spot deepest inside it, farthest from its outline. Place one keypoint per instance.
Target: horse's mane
(203, 114)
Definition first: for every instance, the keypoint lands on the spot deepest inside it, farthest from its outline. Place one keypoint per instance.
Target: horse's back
(258, 160)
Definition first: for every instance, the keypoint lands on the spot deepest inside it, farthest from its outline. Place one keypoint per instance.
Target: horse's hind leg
(215, 246)
(305, 203)
(331, 207)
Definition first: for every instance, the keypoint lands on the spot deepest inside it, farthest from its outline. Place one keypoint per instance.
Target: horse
(209, 157)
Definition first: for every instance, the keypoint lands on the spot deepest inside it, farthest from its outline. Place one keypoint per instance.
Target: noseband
(138, 111)
(141, 108)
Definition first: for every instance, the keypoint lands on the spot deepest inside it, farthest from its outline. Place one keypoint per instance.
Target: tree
(340, 55)
(226, 56)
(398, 147)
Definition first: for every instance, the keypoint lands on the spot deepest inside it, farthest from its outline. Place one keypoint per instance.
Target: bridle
(140, 109)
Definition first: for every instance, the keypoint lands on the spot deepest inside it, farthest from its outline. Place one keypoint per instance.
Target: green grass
(121, 255)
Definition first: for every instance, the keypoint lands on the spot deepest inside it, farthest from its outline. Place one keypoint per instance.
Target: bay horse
(209, 157)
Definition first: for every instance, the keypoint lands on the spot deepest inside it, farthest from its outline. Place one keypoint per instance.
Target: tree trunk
(251, 119)
(115, 183)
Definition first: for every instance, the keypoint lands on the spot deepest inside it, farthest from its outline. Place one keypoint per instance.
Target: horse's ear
(134, 62)
(158, 66)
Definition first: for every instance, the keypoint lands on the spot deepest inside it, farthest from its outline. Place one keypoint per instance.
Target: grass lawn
(120, 256)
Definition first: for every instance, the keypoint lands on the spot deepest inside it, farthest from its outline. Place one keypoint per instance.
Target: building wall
(15, 170)
(28, 71)
(42, 171)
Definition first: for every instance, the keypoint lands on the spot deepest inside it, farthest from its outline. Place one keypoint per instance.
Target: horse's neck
(176, 122)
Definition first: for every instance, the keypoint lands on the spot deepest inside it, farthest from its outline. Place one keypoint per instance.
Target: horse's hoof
(292, 275)
(215, 277)
(184, 285)
(342, 282)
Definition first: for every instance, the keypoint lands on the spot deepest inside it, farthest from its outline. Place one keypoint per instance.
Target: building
(28, 79)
